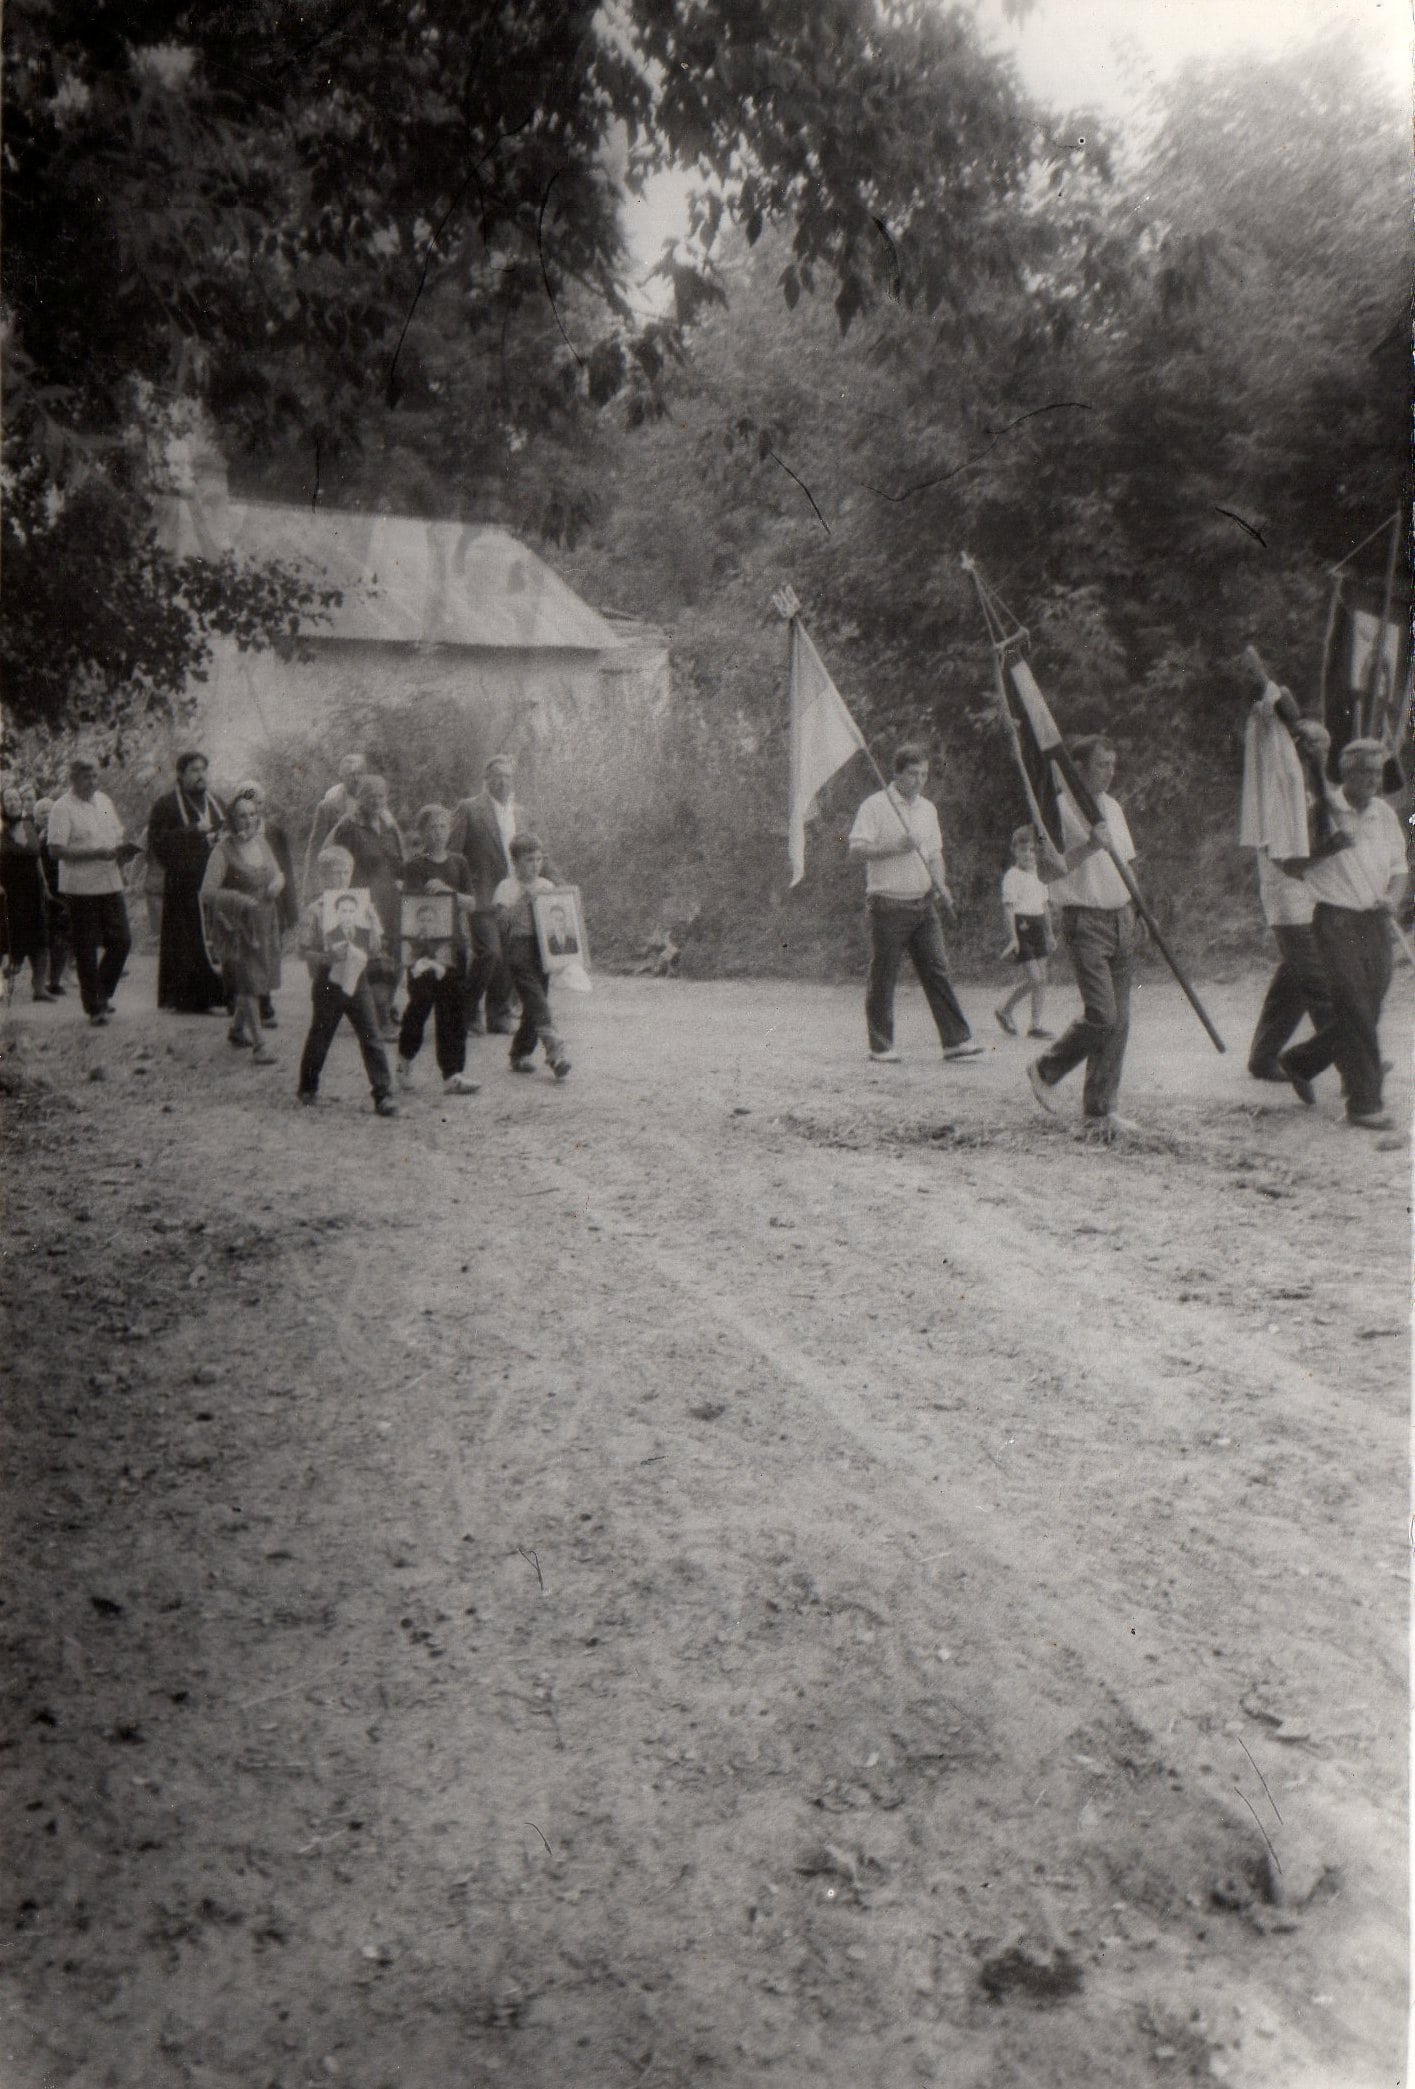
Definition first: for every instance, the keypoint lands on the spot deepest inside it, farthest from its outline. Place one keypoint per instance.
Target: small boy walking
(330, 999)
(1029, 939)
(512, 901)
(437, 971)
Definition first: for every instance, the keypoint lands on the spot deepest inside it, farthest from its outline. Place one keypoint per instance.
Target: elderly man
(483, 829)
(1099, 924)
(1354, 893)
(85, 839)
(896, 835)
(338, 801)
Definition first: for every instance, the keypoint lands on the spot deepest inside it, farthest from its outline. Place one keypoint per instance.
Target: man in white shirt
(85, 838)
(1099, 925)
(483, 829)
(1354, 893)
(896, 835)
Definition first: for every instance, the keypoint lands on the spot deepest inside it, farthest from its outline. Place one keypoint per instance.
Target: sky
(1074, 53)
(1104, 55)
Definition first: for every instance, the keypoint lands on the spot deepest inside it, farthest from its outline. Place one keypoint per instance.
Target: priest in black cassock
(181, 832)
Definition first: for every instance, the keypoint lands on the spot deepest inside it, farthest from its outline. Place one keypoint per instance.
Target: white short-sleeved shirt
(1023, 892)
(1096, 882)
(1286, 901)
(92, 823)
(879, 819)
(1361, 876)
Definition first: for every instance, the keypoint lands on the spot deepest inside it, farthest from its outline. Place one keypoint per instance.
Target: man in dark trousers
(1355, 893)
(896, 835)
(483, 829)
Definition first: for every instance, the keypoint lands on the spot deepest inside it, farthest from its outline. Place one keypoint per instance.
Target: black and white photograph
(560, 928)
(429, 931)
(835, 1510)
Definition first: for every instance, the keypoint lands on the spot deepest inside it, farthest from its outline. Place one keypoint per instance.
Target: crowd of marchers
(227, 898)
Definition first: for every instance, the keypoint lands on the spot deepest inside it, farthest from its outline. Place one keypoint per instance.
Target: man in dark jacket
(483, 829)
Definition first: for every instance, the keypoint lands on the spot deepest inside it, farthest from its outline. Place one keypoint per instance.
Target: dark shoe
(501, 1029)
(269, 1020)
(1047, 1034)
(308, 1096)
(1301, 1086)
(385, 1106)
(521, 1064)
(1371, 1121)
(1267, 1073)
(57, 987)
(1040, 1088)
(1004, 1022)
(237, 1037)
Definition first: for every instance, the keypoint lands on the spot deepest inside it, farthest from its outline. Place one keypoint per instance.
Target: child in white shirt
(512, 901)
(1029, 936)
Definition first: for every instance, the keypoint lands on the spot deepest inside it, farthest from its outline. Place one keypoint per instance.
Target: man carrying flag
(896, 834)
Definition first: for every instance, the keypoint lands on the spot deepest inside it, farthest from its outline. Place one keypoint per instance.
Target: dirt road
(748, 1567)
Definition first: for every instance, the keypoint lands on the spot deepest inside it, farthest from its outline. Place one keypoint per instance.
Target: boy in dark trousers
(437, 977)
(329, 998)
(512, 901)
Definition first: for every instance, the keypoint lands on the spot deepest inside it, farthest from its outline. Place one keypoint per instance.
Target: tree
(330, 221)
(1188, 353)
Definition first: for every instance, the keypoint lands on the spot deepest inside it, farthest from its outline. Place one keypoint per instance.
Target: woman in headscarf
(287, 901)
(181, 833)
(22, 885)
(370, 834)
(239, 894)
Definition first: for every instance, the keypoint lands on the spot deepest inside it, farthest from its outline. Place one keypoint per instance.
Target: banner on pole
(1038, 740)
(823, 739)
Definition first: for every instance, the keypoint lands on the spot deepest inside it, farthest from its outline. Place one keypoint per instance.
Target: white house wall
(519, 700)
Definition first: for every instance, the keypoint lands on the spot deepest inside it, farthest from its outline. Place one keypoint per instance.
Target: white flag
(823, 738)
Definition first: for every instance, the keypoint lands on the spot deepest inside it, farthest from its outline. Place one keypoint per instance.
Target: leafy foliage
(124, 643)
(1196, 355)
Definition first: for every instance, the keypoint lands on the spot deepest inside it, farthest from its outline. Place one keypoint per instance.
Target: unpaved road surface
(746, 1568)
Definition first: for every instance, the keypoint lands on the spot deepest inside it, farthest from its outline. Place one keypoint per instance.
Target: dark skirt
(23, 916)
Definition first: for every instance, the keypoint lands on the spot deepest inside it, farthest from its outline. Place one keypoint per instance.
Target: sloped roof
(403, 579)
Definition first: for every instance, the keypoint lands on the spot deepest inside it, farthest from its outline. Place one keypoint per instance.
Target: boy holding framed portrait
(523, 903)
(437, 892)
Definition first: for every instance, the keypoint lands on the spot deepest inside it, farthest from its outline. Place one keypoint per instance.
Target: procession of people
(1331, 877)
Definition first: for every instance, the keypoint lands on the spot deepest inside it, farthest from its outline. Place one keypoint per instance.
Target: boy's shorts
(1031, 936)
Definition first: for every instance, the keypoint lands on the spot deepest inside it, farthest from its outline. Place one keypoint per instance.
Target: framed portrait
(560, 929)
(348, 916)
(429, 929)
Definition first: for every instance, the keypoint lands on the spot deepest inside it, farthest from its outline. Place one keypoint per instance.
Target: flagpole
(1093, 817)
(999, 644)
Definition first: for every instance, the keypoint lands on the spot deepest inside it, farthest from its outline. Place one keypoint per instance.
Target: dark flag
(1041, 754)
(1366, 659)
